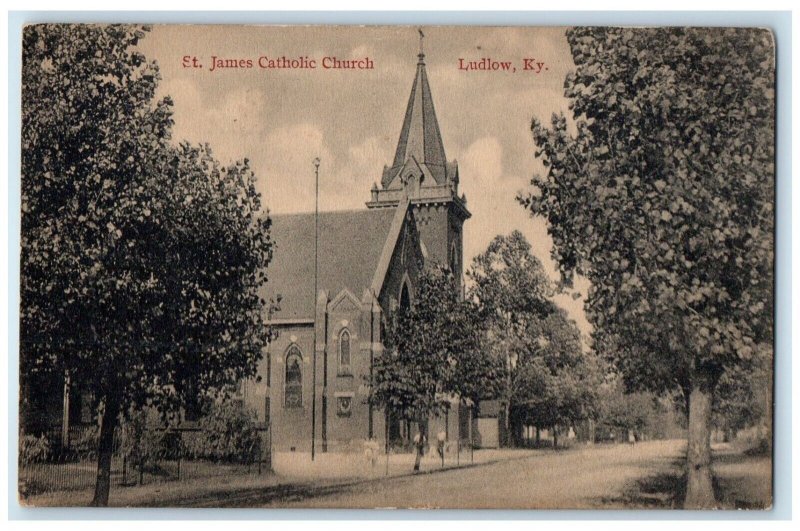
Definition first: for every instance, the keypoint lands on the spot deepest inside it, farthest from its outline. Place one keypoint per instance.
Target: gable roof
(351, 244)
(388, 247)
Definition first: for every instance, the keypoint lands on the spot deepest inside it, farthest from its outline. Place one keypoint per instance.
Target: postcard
(453, 267)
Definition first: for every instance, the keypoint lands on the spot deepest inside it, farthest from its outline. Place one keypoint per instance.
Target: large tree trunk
(699, 489)
(417, 458)
(419, 444)
(105, 450)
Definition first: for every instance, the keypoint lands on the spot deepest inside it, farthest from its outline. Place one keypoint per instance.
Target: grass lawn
(72, 484)
(742, 481)
(154, 494)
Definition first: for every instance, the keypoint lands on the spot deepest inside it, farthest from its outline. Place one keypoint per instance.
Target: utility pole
(316, 163)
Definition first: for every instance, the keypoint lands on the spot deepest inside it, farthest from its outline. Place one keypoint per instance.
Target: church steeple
(420, 137)
(419, 160)
(421, 174)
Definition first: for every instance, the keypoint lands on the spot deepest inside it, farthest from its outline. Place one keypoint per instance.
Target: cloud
(362, 167)
(223, 124)
(491, 197)
(286, 171)
(288, 184)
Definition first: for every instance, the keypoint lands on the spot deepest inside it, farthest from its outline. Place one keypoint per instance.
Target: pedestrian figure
(371, 451)
(441, 437)
(419, 443)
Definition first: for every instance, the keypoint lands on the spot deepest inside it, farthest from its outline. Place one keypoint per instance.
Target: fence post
(471, 439)
(386, 441)
(65, 412)
(262, 442)
(124, 470)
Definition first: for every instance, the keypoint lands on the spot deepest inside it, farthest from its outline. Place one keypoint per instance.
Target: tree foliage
(434, 351)
(744, 397)
(141, 260)
(143, 439)
(550, 379)
(621, 411)
(228, 433)
(661, 194)
(34, 449)
(510, 284)
(555, 382)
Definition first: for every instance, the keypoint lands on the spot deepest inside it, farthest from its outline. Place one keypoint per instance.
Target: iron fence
(73, 466)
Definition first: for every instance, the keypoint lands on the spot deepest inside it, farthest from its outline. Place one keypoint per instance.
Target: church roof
(350, 247)
(420, 138)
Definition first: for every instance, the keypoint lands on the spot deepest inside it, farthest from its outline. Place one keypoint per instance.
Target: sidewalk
(328, 466)
(295, 475)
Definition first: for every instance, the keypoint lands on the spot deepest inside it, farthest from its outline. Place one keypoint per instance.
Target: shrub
(86, 441)
(228, 433)
(34, 449)
(756, 440)
(143, 438)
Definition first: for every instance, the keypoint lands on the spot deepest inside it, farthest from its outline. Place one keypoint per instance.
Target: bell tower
(420, 172)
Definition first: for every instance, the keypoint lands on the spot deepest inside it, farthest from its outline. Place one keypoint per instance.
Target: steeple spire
(420, 172)
(420, 137)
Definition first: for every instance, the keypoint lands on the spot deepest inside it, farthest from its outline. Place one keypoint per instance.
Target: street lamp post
(316, 163)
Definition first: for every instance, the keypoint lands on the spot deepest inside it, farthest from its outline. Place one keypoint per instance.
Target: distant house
(57, 408)
(490, 429)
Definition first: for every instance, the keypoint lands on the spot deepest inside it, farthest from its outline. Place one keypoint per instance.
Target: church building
(368, 263)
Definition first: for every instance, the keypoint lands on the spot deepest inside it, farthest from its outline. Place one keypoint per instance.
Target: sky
(281, 119)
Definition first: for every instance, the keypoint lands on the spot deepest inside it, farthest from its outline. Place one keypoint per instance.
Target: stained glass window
(294, 378)
(344, 349)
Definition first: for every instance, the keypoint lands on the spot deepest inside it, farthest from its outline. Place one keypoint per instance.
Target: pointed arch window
(454, 259)
(293, 384)
(344, 352)
(405, 298)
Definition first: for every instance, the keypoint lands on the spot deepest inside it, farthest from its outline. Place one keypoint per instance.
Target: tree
(662, 196)
(433, 351)
(744, 400)
(141, 260)
(540, 347)
(627, 412)
(512, 291)
(554, 383)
